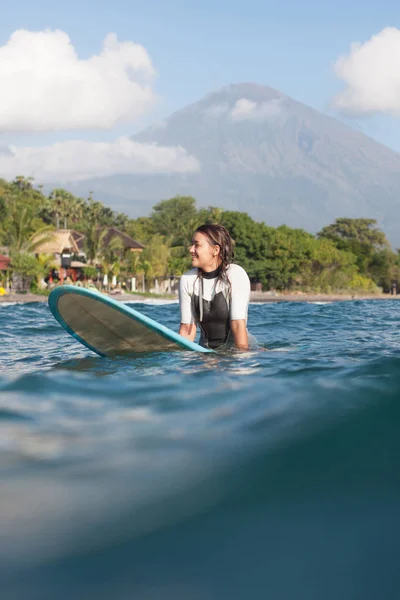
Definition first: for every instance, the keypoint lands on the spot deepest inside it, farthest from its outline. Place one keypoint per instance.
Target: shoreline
(255, 297)
(258, 297)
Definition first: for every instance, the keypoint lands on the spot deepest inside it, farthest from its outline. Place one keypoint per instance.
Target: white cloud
(77, 160)
(371, 72)
(45, 86)
(216, 110)
(243, 109)
(247, 109)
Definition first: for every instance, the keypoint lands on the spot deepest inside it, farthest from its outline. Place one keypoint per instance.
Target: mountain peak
(279, 160)
(247, 91)
(249, 88)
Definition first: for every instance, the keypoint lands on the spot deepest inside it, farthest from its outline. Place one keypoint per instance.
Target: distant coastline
(256, 297)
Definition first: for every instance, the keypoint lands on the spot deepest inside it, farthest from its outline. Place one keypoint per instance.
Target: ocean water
(273, 474)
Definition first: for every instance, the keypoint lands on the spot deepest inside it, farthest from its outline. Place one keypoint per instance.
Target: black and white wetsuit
(213, 303)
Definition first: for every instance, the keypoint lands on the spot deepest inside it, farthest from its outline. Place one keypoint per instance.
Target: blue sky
(198, 47)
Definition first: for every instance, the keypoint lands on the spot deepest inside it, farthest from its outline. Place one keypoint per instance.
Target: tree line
(348, 255)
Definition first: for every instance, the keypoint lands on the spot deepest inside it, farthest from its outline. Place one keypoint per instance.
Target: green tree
(96, 217)
(157, 254)
(23, 184)
(361, 237)
(384, 268)
(363, 231)
(252, 241)
(141, 229)
(210, 215)
(96, 212)
(22, 230)
(62, 206)
(176, 219)
(23, 187)
(144, 269)
(3, 210)
(114, 251)
(94, 241)
(25, 268)
(45, 263)
(90, 272)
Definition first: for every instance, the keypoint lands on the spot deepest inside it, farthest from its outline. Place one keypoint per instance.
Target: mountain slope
(266, 154)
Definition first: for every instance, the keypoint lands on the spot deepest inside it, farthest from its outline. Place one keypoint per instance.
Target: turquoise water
(185, 476)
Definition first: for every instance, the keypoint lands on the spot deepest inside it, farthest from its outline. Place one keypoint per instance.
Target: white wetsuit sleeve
(185, 300)
(240, 293)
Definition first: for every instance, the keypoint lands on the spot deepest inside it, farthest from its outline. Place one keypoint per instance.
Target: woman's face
(204, 255)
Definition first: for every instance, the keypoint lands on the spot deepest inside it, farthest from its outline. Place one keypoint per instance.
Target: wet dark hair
(218, 235)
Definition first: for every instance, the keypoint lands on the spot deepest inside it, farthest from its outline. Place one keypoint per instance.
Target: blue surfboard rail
(137, 316)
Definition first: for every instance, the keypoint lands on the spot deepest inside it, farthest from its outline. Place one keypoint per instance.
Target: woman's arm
(240, 297)
(187, 327)
(240, 336)
(188, 331)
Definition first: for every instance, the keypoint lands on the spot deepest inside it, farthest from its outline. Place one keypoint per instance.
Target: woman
(215, 293)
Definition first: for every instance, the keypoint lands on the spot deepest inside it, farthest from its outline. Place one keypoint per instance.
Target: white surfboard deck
(108, 327)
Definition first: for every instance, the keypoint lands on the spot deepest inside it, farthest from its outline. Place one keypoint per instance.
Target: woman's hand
(188, 331)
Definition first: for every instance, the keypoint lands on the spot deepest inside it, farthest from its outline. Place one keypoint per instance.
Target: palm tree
(157, 253)
(115, 269)
(24, 184)
(22, 231)
(132, 263)
(114, 250)
(77, 209)
(94, 240)
(46, 262)
(106, 269)
(144, 269)
(94, 211)
(61, 205)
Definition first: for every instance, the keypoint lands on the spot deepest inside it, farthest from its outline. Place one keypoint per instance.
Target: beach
(25, 298)
(254, 297)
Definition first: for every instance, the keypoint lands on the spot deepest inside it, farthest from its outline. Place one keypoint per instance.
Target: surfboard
(109, 327)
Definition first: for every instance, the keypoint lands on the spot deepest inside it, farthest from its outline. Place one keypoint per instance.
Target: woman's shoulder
(236, 271)
(190, 273)
(189, 277)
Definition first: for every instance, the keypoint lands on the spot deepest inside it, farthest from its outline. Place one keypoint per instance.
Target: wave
(184, 476)
(152, 301)
(171, 496)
